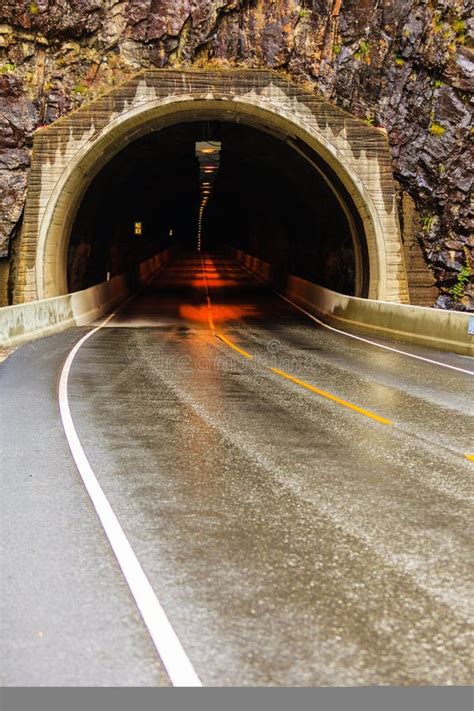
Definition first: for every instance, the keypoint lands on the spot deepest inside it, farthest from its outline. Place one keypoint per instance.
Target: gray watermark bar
(239, 699)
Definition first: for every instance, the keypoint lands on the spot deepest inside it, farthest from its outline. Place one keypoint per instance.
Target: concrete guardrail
(25, 322)
(434, 328)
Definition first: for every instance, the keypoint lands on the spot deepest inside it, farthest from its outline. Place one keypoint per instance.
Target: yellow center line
(360, 410)
(232, 345)
(470, 457)
(318, 391)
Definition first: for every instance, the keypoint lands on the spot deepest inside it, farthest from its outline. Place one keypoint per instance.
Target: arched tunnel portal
(268, 199)
(300, 184)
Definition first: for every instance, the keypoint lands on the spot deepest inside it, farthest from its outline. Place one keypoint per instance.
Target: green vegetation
(303, 12)
(450, 27)
(363, 50)
(7, 68)
(438, 83)
(33, 8)
(459, 27)
(337, 49)
(436, 129)
(427, 221)
(369, 120)
(399, 61)
(80, 89)
(462, 280)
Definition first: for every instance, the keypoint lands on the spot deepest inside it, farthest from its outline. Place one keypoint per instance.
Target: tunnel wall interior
(267, 200)
(153, 184)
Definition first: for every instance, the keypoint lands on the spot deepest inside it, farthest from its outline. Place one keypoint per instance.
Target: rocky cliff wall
(405, 65)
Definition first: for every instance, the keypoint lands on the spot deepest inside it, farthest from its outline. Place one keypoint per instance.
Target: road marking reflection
(334, 398)
(232, 345)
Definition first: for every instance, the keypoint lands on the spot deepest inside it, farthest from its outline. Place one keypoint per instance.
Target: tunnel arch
(352, 158)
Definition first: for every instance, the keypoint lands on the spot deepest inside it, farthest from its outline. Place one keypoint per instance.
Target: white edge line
(352, 335)
(169, 648)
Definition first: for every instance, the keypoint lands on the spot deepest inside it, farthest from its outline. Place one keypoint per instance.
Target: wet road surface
(299, 500)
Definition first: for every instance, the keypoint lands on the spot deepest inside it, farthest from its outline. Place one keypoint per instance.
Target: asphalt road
(290, 538)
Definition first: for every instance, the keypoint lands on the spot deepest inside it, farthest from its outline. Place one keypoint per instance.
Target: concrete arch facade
(70, 152)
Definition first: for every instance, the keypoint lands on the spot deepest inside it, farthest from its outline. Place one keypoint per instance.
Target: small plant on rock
(7, 68)
(80, 89)
(303, 13)
(363, 50)
(459, 27)
(436, 129)
(426, 222)
(462, 280)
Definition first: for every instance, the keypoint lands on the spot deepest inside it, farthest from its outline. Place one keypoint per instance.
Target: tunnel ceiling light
(208, 155)
(206, 149)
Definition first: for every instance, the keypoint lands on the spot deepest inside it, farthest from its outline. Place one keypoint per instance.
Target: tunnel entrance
(267, 200)
(302, 183)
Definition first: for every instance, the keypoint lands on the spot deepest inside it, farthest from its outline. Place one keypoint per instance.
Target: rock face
(406, 65)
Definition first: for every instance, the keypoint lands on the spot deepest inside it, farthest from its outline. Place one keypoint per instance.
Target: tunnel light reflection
(221, 312)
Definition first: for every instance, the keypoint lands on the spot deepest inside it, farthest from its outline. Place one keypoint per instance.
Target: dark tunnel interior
(267, 200)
